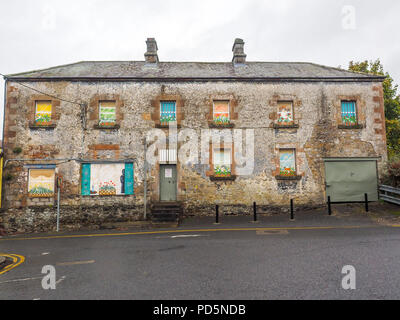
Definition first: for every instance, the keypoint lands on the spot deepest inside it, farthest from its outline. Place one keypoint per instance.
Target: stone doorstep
(139, 224)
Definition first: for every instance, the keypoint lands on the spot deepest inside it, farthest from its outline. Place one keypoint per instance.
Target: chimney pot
(151, 55)
(239, 57)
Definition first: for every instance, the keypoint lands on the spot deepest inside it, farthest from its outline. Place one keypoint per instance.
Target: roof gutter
(194, 79)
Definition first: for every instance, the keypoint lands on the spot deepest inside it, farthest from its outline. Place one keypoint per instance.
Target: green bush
(391, 174)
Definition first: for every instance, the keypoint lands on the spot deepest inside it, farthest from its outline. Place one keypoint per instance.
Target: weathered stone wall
(316, 108)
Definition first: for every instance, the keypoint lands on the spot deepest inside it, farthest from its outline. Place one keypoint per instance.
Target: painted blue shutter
(86, 179)
(129, 179)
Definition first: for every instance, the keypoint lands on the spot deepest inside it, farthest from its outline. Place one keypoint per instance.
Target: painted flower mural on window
(43, 113)
(221, 112)
(287, 163)
(349, 115)
(222, 163)
(108, 116)
(108, 188)
(107, 179)
(285, 112)
(167, 112)
(41, 183)
(222, 171)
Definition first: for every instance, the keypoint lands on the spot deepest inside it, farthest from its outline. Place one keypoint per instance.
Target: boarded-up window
(41, 183)
(221, 112)
(107, 179)
(287, 159)
(108, 113)
(167, 112)
(222, 161)
(349, 114)
(43, 112)
(168, 156)
(285, 112)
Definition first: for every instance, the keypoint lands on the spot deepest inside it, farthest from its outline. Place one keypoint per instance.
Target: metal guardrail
(389, 194)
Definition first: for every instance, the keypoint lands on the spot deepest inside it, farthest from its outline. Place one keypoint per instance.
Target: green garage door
(348, 180)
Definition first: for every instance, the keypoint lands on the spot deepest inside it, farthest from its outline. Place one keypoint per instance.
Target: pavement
(238, 259)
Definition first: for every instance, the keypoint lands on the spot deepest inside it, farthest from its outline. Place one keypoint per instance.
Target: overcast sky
(37, 34)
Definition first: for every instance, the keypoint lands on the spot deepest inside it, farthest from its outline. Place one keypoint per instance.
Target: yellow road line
(75, 263)
(179, 231)
(17, 260)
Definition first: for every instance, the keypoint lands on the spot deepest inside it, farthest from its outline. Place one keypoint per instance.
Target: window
(221, 114)
(43, 112)
(285, 113)
(108, 113)
(287, 158)
(349, 115)
(167, 112)
(107, 179)
(222, 161)
(41, 183)
(168, 156)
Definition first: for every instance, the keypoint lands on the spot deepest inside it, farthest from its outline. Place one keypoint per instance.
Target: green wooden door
(168, 183)
(348, 181)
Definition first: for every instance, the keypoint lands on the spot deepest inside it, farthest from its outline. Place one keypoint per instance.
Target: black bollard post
(217, 214)
(255, 211)
(329, 206)
(366, 202)
(291, 209)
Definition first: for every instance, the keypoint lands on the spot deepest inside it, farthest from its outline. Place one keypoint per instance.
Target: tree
(392, 102)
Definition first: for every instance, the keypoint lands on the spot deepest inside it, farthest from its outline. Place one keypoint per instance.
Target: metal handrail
(389, 194)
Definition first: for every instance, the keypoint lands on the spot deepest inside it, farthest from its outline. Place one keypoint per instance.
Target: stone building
(297, 131)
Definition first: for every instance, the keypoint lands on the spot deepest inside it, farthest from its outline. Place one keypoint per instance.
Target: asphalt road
(278, 264)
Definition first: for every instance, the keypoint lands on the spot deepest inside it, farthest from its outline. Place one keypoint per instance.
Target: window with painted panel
(107, 113)
(107, 179)
(285, 112)
(41, 183)
(167, 112)
(43, 111)
(221, 112)
(349, 113)
(287, 162)
(222, 160)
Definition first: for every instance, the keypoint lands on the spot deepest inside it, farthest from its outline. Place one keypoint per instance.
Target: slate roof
(194, 71)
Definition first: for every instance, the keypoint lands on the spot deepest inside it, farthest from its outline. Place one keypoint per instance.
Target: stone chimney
(239, 57)
(151, 55)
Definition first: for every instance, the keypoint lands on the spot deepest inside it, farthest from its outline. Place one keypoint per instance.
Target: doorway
(168, 182)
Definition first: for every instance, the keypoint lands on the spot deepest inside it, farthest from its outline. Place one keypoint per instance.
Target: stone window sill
(352, 127)
(115, 127)
(97, 196)
(289, 178)
(221, 126)
(286, 126)
(166, 126)
(227, 178)
(35, 126)
(45, 198)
